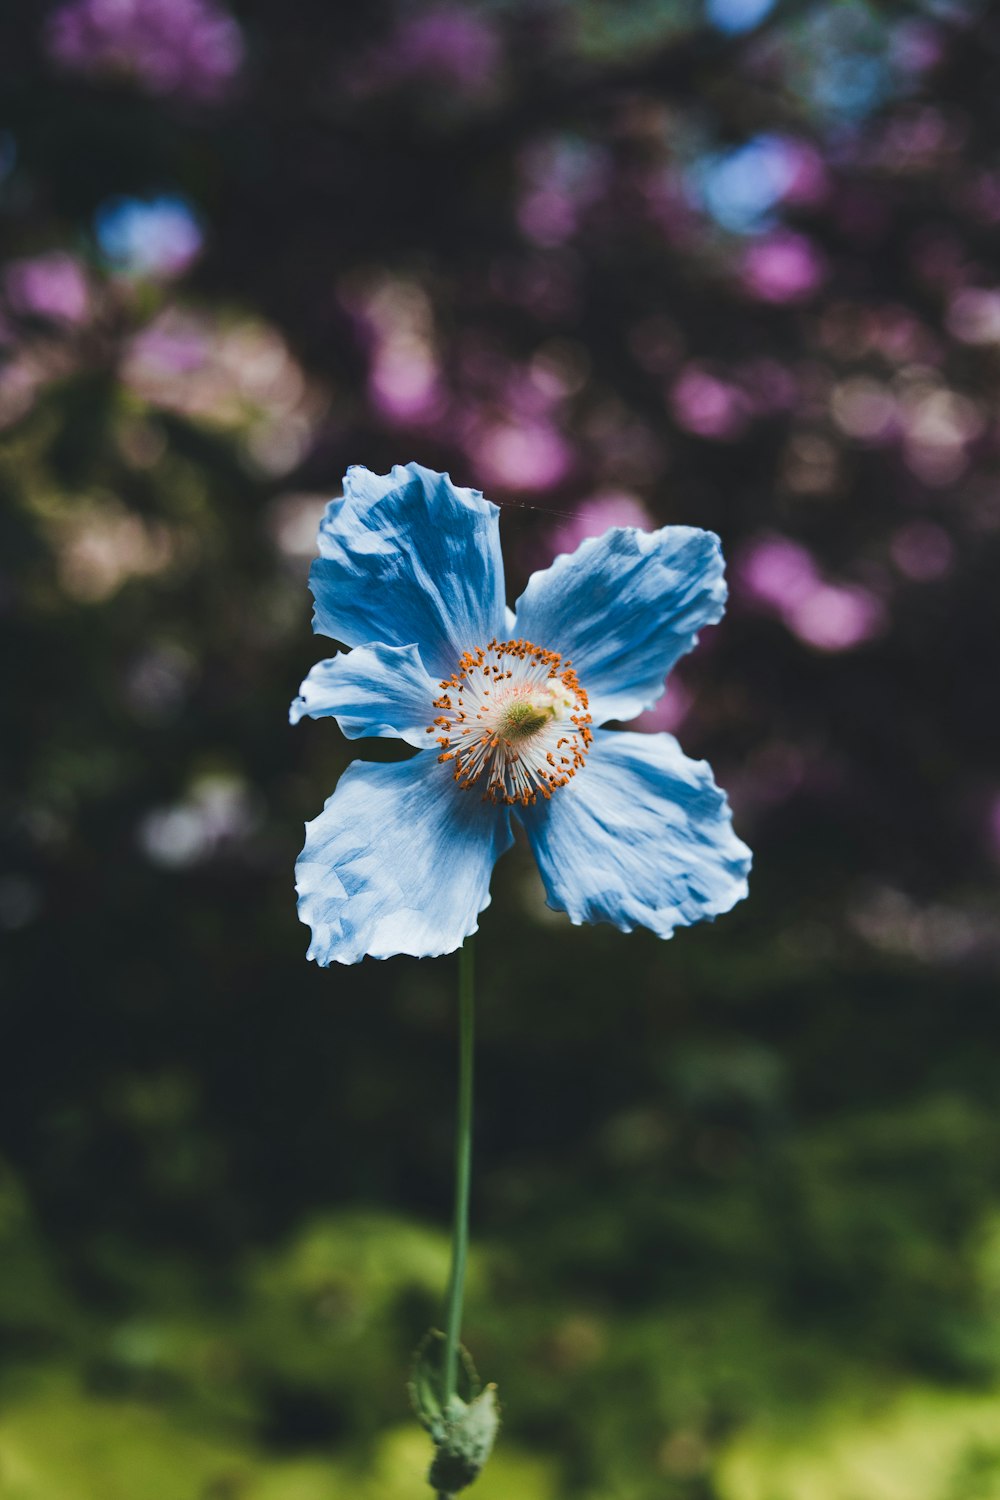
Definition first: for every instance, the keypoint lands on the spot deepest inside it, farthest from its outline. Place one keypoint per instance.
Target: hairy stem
(463, 1171)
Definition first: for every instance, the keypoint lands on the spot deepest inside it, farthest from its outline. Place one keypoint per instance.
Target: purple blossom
(707, 406)
(777, 573)
(781, 577)
(451, 43)
(563, 177)
(782, 267)
(170, 347)
(836, 617)
(917, 46)
(445, 45)
(974, 315)
(394, 320)
(190, 48)
(53, 286)
(521, 455)
(808, 180)
(404, 385)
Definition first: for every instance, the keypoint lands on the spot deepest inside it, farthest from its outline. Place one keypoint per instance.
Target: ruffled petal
(623, 607)
(398, 861)
(372, 690)
(641, 837)
(409, 558)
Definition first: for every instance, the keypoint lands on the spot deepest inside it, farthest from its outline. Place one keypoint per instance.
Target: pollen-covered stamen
(513, 719)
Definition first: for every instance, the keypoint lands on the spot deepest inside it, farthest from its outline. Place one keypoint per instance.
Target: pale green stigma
(523, 718)
(514, 715)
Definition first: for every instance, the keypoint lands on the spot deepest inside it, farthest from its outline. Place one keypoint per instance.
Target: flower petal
(372, 690)
(623, 607)
(641, 837)
(398, 861)
(409, 558)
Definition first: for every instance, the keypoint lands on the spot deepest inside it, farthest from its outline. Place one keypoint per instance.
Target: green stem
(463, 1171)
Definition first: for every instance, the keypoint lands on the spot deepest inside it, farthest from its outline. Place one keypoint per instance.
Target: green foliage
(923, 1445)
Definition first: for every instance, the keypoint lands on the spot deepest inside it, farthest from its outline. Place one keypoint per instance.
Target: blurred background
(737, 1205)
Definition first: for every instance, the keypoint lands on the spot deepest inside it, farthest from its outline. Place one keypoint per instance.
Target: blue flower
(503, 707)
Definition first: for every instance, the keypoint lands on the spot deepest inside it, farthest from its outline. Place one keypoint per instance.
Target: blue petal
(398, 861)
(372, 690)
(408, 558)
(641, 837)
(623, 607)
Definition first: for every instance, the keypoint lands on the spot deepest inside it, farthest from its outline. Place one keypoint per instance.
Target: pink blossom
(447, 43)
(404, 384)
(547, 216)
(707, 406)
(49, 286)
(563, 176)
(777, 572)
(781, 577)
(170, 346)
(917, 46)
(183, 47)
(783, 267)
(522, 455)
(808, 180)
(835, 617)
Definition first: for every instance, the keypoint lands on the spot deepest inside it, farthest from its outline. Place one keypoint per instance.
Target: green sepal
(426, 1384)
(464, 1431)
(466, 1443)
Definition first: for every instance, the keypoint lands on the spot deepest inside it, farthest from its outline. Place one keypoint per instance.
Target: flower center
(513, 718)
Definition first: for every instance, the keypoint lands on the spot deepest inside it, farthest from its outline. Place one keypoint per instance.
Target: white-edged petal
(409, 558)
(377, 690)
(398, 861)
(642, 837)
(623, 607)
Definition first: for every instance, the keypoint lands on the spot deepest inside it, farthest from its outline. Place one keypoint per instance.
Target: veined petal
(642, 837)
(398, 861)
(409, 558)
(623, 607)
(372, 690)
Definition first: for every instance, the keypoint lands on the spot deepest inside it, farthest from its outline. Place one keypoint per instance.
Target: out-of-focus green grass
(175, 1394)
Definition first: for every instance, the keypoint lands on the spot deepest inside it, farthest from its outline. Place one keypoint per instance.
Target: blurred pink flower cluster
(507, 417)
(782, 267)
(53, 286)
(190, 48)
(718, 404)
(561, 178)
(781, 577)
(442, 45)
